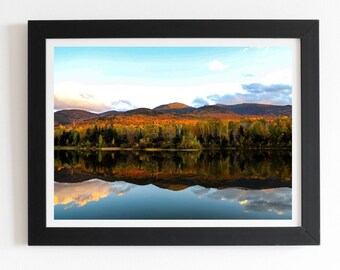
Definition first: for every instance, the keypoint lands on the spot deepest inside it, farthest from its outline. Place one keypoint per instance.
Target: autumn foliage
(174, 132)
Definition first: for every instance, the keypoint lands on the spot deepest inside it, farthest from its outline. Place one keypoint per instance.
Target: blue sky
(121, 78)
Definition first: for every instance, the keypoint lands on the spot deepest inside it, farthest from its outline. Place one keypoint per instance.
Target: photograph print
(172, 132)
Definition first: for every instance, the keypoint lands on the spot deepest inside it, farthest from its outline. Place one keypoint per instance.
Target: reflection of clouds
(200, 192)
(93, 190)
(278, 200)
(273, 200)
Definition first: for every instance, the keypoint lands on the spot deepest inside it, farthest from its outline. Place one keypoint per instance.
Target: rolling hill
(259, 109)
(108, 113)
(179, 111)
(142, 111)
(66, 117)
(175, 107)
(212, 109)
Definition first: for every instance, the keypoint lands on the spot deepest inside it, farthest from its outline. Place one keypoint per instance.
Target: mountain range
(65, 117)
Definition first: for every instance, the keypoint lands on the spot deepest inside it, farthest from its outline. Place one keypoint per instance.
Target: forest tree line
(203, 134)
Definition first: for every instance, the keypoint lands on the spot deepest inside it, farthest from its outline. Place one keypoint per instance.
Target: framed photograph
(173, 132)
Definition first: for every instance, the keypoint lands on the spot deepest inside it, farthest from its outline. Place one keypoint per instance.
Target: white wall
(14, 252)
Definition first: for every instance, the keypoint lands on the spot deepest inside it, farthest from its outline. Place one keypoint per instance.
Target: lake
(206, 184)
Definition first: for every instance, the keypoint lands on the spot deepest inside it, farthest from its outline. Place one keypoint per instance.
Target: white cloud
(281, 76)
(122, 105)
(124, 96)
(216, 65)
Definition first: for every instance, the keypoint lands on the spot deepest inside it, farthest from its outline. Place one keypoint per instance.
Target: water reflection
(90, 191)
(266, 200)
(249, 169)
(229, 203)
(173, 185)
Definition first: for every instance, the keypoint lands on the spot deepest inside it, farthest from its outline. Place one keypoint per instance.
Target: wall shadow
(17, 56)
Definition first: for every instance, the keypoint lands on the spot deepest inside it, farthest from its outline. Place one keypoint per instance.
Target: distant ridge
(175, 107)
(259, 109)
(212, 109)
(66, 117)
(113, 112)
(141, 111)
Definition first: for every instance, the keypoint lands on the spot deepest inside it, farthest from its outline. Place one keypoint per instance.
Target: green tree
(76, 138)
(231, 138)
(100, 141)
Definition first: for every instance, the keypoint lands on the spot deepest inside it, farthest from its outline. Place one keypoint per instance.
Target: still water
(173, 185)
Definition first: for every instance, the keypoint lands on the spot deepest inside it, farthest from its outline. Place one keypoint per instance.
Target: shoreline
(72, 148)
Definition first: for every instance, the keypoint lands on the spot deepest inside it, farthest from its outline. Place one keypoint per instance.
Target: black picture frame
(305, 30)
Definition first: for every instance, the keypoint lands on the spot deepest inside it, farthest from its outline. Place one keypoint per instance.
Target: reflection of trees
(196, 165)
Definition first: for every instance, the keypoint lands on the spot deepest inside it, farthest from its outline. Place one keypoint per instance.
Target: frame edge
(38, 234)
(310, 130)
